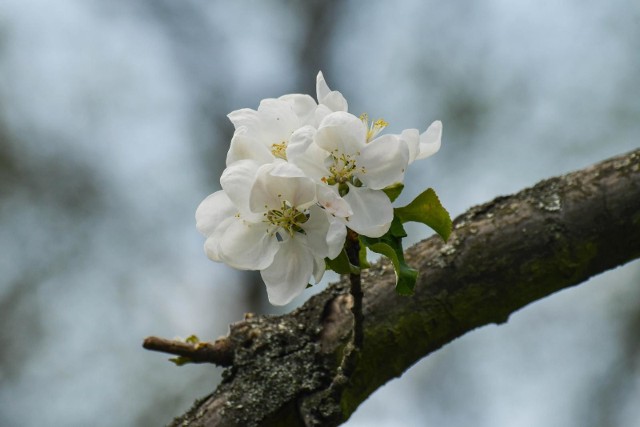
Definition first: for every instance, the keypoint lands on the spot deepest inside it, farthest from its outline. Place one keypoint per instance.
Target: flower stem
(353, 252)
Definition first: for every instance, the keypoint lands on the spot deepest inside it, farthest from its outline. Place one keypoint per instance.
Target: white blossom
(261, 221)
(299, 171)
(347, 156)
(263, 134)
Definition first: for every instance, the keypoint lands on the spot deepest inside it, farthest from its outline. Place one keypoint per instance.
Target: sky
(113, 128)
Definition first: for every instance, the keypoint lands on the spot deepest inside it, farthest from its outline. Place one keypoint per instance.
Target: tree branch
(501, 256)
(219, 352)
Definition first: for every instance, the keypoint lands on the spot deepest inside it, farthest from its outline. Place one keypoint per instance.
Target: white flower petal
(315, 230)
(269, 191)
(336, 236)
(321, 112)
(412, 138)
(384, 160)
(302, 152)
(212, 244)
(335, 101)
(300, 141)
(212, 211)
(372, 211)
(343, 132)
(245, 117)
(319, 267)
(278, 119)
(285, 169)
(331, 98)
(430, 140)
(329, 199)
(273, 122)
(244, 146)
(322, 89)
(289, 273)
(303, 106)
(237, 180)
(212, 250)
(245, 245)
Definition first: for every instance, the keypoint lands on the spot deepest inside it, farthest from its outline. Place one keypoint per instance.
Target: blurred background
(113, 128)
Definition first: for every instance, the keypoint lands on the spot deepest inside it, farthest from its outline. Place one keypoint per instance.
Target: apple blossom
(299, 172)
(349, 157)
(261, 221)
(263, 134)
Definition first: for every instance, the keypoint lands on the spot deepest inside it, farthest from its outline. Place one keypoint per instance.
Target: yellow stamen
(374, 128)
(279, 150)
(288, 218)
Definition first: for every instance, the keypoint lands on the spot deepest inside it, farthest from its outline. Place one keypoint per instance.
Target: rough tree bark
(503, 255)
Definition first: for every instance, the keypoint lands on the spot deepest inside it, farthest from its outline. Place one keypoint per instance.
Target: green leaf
(192, 339)
(394, 190)
(341, 264)
(396, 229)
(427, 209)
(362, 255)
(391, 247)
(181, 360)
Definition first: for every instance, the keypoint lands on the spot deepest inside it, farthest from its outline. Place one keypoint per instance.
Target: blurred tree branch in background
(502, 256)
(75, 198)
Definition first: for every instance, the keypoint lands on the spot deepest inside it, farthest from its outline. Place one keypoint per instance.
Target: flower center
(373, 128)
(342, 168)
(287, 218)
(279, 150)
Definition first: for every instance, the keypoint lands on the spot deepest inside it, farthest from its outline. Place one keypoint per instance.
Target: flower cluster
(299, 172)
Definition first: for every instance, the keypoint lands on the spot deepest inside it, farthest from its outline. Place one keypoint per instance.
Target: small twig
(352, 351)
(353, 252)
(219, 352)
